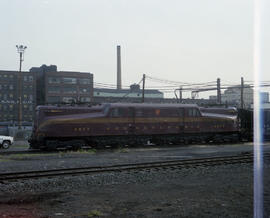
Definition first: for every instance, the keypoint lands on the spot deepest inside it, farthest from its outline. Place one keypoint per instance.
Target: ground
(220, 191)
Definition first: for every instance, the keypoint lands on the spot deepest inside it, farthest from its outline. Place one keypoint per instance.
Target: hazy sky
(188, 41)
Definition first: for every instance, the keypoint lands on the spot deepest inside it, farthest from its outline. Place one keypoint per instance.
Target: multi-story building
(43, 85)
(56, 87)
(9, 95)
(68, 87)
(232, 96)
(264, 97)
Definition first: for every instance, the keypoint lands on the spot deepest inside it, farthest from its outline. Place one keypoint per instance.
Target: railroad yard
(172, 181)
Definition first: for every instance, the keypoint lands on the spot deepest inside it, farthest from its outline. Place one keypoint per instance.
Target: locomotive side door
(131, 121)
(181, 117)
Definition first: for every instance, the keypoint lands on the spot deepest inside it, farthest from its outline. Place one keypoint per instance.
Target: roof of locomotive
(151, 105)
(100, 106)
(71, 107)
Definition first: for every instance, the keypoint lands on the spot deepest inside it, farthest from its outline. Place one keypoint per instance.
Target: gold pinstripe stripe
(104, 120)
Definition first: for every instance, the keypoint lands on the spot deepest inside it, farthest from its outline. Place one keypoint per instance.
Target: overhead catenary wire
(131, 90)
(171, 86)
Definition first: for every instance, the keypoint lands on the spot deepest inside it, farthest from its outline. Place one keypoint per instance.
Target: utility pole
(218, 91)
(242, 93)
(143, 88)
(180, 94)
(119, 82)
(20, 50)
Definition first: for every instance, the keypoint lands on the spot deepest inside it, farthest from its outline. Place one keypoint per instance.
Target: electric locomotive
(129, 124)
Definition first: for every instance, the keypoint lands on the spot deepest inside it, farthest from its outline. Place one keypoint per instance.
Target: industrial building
(134, 94)
(41, 85)
(56, 87)
(9, 96)
(232, 96)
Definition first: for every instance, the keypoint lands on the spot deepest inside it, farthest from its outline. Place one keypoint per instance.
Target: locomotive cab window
(118, 112)
(181, 112)
(193, 112)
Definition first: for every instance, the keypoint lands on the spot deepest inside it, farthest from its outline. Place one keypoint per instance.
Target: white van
(6, 141)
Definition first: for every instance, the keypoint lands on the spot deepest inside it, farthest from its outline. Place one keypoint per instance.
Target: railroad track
(174, 164)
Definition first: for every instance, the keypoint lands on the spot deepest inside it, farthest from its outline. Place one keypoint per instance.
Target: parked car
(6, 141)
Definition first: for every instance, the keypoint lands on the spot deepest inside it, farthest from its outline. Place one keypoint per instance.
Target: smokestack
(119, 83)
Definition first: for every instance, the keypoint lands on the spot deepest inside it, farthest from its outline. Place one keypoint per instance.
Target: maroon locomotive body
(126, 123)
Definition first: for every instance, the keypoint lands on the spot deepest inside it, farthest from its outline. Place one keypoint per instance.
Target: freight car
(128, 124)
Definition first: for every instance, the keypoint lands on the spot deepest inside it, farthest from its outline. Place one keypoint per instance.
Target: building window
(69, 80)
(30, 97)
(84, 81)
(54, 99)
(70, 90)
(85, 99)
(54, 89)
(25, 96)
(11, 87)
(69, 99)
(28, 87)
(10, 95)
(30, 78)
(11, 107)
(54, 80)
(25, 78)
(84, 90)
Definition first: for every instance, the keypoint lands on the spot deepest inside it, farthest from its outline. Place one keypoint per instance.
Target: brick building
(41, 85)
(68, 87)
(56, 87)
(9, 96)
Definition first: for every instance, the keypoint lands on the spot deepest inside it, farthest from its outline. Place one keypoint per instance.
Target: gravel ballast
(213, 191)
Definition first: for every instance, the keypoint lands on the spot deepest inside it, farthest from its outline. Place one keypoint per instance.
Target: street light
(20, 50)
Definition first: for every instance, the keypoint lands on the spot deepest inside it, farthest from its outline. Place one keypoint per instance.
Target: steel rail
(186, 163)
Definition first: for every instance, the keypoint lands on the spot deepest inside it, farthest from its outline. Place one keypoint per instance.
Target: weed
(84, 151)
(93, 151)
(24, 156)
(123, 150)
(94, 213)
(4, 160)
